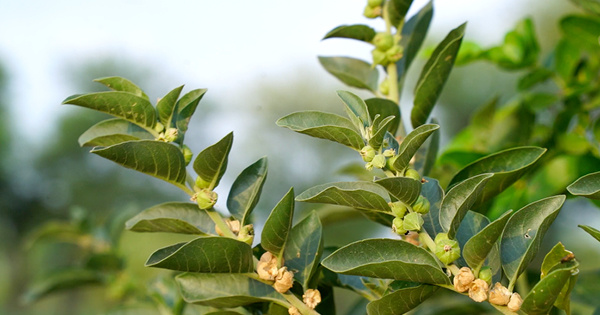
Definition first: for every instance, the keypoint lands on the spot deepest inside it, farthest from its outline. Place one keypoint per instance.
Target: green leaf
(359, 195)
(533, 78)
(566, 59)
(401, 301)
(387, 259)
(586, 186)
(324, 126)
(172, 217)
(353, 72)
(541, 298)
(411, 144)
(434, 75)
(211, 254)
(553, 259)
(211, 163)
(159, 159)
(113, 131)
(166, 106)
(358, 31)
(413, 35)
(433, 192)
(477, 248)
(523, 235)
(54, 231)
(278, 225)
(591, 231)
(246, 189)
(559, 258)
(397, 11)
(385, 108)
(356, 109)
(581, 31)
(225, 290)
(130, 107)
(404, 189)
(507, 166)
(304, 247)
(472, 224)
(432, 152)
(122, 85)
(459, 200)
(590, 6)
(64, 280)
(186, 106)
(380, 128)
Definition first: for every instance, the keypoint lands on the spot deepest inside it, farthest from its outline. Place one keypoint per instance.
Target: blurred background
(258, 60)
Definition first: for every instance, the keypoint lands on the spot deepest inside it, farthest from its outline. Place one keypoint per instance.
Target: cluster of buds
(409, 218)
(375, 159)
(244, 233)
(373, 9)
(166, 135)
(268, 270)
(478, 289)
(386, 49)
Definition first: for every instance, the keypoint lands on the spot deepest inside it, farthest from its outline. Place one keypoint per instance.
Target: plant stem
(522, 284)
(190, 181)
(428, 241)
(218, 219)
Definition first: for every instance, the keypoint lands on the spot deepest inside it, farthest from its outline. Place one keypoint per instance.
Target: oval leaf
(459, 200)
(404, 189)
(278, 225)
(411, 144)
(356, 109)
(358, 31)
(359, 195)
(523, 235)
(507, 166)
(387, 259)
(591, 231)
(434, 75)
(541, 298)
(224, 290)
(186, 106)
(433, 192)
(246, 189)
(413, 35)
(380, 128)
(587, 186)
(212, 254)
(121, 84)
(211, 163)
(172, 217)
(397, 11)
(353, 72)
(159, 159)
(130, 107)
(401, 301)
(113, 131)
(166, 106)
(324, 126)
(472, 224)
(304, 247)
(385, 108)
(477, 248)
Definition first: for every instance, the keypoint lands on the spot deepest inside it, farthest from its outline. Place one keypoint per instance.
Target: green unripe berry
(421, 205)
(413, 221)
(384, 87)
(187, 154)
(412, 173)
(246, 234)
(379, 57)
(485, 274)
(398, 226)
(367, 153)
(440, 237)
(390, 163)
(394, 53)
(372, 12)
(383, 41)
(374, 3)
(389, 152)
(159, 127)
(378, 161)
(200, 183)
(398, 208)
(205, 198)
(446, 250)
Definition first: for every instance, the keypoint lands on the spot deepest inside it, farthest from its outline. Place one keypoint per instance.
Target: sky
(222, 45)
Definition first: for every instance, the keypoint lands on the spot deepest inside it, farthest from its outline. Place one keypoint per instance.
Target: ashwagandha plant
(443, 242)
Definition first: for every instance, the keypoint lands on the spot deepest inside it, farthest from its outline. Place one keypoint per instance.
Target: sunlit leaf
(586, 186)
(411, 144)
(304, 247)
(404, 189)
(278, 225)
(359, 195)
(172, 217)
(246, 189)
(413, 35)
(351, 71)
(186, 106)
(358, 31)
(113, 131)
(397, 11)
(211, 163)
(121, 84)
(166, 106)
(385, 108)
(356, 109)
(591, 231)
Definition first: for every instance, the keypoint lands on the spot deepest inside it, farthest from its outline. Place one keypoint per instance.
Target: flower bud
(367, 153)
(515, 302)
(499, 295)
(369, 166)
(159, 127)
(389, 153)
(284, 280)
(378, 161)
(187, 154)
(267, 267)
(311, 298)
(464, 279)
(398, 226)
(246, 234)
(379, 57)
(421, 205)
(384, 87)
(398, 208)
(293, 311)
(446, 250)
(171, 134)
(372, 12)
(383, 41)
(394, 53)
(413, 221)
(478, 290)
(374, 3)
(390, 163)
(412, 173)
(200, 183)
(205, 198)
(485, 274)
